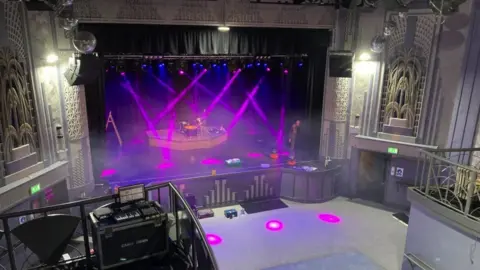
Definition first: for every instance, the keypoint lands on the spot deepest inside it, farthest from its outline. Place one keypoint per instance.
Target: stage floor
(137, 162)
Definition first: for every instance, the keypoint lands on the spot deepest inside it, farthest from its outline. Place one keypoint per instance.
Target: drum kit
(192, 129)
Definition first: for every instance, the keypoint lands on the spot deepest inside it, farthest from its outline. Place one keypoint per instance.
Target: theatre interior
(240, 134)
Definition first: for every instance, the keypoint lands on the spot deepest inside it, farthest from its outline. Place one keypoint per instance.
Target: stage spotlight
(232, 65)
(285, 71)
(300, 64)
(121, 68)
(181, 72)
(257, 63)
(267, 69)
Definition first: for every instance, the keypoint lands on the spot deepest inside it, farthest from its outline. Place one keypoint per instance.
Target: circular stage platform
(179, 141)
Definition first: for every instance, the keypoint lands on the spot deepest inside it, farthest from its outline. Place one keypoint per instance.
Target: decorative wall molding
(203, 12)
(65, 104)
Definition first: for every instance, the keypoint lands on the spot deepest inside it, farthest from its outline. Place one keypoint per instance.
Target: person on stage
(292, 136)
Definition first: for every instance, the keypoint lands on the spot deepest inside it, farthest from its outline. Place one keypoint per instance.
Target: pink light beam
(222, 93)
(169, 89)
(280, 130)
(260, 113)
(244, 106)
(212, 94)
(127, 86)
(174, 102)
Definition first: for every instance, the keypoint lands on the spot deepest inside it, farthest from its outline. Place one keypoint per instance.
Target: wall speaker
(83, 69)
(340, 64)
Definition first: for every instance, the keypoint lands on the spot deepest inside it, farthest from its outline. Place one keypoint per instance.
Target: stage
(176, 140)
(203, 172)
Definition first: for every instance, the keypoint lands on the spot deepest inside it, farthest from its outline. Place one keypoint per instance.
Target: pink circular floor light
(274, 225)
(211, 161)
(329, 218)
(165, 165)
(213, 239)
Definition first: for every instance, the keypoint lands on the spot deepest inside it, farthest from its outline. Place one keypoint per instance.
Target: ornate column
(337, 98)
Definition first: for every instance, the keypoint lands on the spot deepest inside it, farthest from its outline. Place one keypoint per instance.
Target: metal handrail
(81, 204)
(447, 182)
(57, 207)
(448, 150)
(198, 226)
(446, 160)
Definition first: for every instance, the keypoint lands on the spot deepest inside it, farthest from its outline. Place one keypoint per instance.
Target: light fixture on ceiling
(365, 57)
(223, 28)
(52, 58)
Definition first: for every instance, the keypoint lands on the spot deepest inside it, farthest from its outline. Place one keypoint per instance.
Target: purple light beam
(260, 113)
(171, 105)
(212, 94)
(126, 85)
(244, 106)
(280, 130)
(222, 93)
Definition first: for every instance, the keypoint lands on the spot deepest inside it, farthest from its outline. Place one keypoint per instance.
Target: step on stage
(176, 140)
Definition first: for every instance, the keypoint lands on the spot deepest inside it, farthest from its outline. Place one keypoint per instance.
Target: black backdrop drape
(196, 40)
(201, 40)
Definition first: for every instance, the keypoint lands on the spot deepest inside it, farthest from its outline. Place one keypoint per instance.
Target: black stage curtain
(95, 103)
(201, 40)
(197, 40)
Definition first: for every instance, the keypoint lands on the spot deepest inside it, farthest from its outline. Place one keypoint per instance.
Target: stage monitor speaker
(340, 64)
(47, 237)
(83, 69)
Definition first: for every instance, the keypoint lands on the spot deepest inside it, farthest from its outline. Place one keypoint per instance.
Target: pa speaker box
(47, 237)
(84, 70)
(340, 64)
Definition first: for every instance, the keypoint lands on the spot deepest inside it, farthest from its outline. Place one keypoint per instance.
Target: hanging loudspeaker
(340, 64)
(83, 69)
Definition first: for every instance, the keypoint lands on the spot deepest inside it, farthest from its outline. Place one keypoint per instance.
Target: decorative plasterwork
(16, 106)
(408, 57)
(203, 12)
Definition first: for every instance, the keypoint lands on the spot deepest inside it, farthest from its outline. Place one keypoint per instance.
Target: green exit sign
(392, 150)
(35, 189)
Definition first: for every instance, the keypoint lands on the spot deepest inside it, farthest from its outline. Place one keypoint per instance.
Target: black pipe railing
(175, 201)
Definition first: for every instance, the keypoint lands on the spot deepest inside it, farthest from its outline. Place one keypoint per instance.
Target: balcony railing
(186, 228)
(444, 176)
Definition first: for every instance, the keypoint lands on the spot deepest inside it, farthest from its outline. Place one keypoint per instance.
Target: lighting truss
(197, 57)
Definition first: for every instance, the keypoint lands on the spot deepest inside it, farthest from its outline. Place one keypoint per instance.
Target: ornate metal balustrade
(443, 178)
